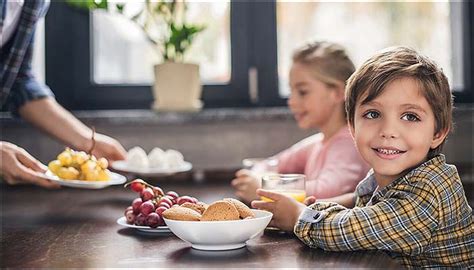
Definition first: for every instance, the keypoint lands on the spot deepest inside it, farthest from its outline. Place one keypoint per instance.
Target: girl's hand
(285, 209)
(246, 184)
(18, 167)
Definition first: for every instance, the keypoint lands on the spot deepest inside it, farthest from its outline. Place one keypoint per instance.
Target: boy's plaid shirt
(18, 84)
(423, 218)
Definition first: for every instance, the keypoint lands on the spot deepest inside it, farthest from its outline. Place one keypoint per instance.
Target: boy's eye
(371, 115)
(410, 117)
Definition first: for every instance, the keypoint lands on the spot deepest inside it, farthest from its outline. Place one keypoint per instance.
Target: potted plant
(177, 84)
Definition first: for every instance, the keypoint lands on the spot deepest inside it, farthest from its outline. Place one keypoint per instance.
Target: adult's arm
(52, 118)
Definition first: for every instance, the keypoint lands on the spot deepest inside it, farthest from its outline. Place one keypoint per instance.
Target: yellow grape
(92, 175)
(88, 166)
(80, 157)
(54, 166)
(103, 163)
(104, 175)
(68, 173)
(65, 158)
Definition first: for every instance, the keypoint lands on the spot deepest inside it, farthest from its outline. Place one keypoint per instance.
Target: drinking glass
(292, 185)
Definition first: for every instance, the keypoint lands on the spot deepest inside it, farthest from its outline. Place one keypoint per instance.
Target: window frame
(69, 42)
(253, 47)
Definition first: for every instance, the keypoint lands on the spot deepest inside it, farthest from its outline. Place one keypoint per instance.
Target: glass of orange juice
(292, 185)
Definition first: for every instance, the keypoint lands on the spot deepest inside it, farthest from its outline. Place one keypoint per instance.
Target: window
(366, 27)
(211, 48)
(93, 64)
(99, 61)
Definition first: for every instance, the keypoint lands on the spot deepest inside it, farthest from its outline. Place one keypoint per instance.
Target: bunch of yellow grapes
(72, 165)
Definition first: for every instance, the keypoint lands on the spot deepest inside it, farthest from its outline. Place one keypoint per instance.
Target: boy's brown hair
(394, 63)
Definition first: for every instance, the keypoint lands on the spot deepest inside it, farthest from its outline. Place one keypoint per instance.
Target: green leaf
(88, 4)
(120, 7)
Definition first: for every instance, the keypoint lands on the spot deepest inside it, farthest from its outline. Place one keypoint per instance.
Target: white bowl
(220, 235)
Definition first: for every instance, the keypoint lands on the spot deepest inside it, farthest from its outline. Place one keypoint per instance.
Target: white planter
(177, 87)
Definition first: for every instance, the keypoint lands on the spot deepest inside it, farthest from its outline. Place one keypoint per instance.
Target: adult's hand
(18, 167)
(246, 184)
(107, 147)
(285, 209)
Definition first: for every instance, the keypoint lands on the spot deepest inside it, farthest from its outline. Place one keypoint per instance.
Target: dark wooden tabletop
(77, 228)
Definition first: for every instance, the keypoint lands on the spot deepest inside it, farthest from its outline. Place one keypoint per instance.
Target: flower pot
(177, 87)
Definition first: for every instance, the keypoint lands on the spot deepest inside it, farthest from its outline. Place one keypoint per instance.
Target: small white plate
(161, 229)
(122, 165)
(115, 179)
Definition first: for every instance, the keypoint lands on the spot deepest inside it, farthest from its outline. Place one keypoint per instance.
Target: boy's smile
(395, 130)
(388, 152)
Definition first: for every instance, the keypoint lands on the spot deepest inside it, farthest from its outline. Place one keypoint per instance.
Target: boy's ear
(438, 138)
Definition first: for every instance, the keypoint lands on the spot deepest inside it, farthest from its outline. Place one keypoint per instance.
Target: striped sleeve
(26, 86)
(402, 223)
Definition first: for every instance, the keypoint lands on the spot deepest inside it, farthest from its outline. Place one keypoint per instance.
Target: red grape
(137, 185)
(140, 219)
(166, 200)
(128, 208)
(164, 204)
(147, 194)
(136, 205)
(147, 207)
(153, 220)
(184, 199)
(173, 194)
(160, 210)
(130, 216)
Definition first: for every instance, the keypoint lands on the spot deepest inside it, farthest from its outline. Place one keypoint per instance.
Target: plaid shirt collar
(369, 185)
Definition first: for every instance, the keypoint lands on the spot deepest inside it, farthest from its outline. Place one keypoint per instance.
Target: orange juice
(298, 195)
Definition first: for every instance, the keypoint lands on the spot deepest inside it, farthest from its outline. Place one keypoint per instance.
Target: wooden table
(77, 228)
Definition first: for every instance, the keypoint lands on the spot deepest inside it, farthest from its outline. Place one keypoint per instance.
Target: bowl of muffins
(222, 225)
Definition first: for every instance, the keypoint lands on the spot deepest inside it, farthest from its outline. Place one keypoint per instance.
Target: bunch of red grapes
(148, 208)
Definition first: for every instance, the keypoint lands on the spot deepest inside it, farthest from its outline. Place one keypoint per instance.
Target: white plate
(220, 235)
(161, 229)
(115, 179)
(122, 165)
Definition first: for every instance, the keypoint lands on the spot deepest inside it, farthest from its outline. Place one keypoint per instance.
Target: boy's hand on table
(286, 210)
(246, 183)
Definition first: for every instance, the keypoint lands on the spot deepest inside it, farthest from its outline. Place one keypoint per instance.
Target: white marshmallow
(157, 158)
(174, 158)
(137, 158)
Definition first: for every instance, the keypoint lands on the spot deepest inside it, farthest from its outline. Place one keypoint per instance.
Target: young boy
(411, 204)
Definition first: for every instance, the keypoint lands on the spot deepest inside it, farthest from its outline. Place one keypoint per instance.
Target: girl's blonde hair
(328, 62)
